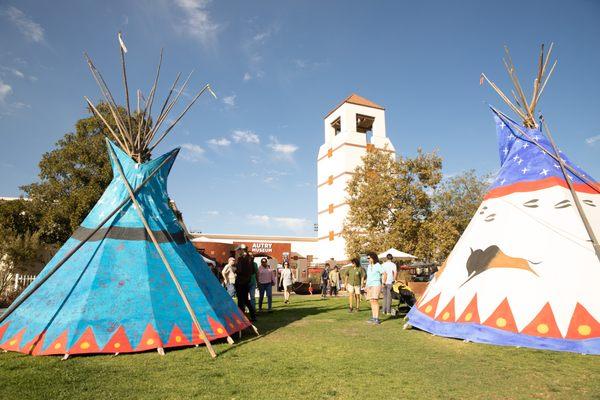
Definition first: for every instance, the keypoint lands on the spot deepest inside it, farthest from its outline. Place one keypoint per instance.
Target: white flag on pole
(122, 43)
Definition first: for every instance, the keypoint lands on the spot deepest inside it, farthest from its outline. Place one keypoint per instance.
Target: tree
(455, 201)
(72, 178)
(389, 200)
(20, 248)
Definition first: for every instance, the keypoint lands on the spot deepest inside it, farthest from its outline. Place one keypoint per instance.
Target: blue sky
(248, 163)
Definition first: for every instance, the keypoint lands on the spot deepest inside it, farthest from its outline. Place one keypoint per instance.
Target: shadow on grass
(300, 307)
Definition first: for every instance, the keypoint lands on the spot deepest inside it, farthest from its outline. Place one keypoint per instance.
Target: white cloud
(5, 91)
(32, 30)
(192, 152)
(282, 150)
(592, 140)
(240, 136)
(19, 105)
(307, 64)
(212, 213)
(18, 73)
(291, 223)
(229, 100)
(223, 142)
(197, 21)
(247, 76)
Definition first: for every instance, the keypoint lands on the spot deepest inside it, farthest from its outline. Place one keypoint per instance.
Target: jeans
(324, 288)
(242, 291)
(230, 289)
(252, 289)
(262, 288)
(387, 298)
(334, 290)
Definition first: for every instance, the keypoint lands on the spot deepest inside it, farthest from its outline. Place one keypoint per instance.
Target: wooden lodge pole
(163, 257)
(584, 218)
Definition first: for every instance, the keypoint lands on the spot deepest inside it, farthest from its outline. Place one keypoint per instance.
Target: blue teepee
(115, 294)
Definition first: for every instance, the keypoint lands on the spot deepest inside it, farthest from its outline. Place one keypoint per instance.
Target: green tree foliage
(455, 201)
(18, 239)
(404, 203)
(389, 200)
(20, 248)
(72, 178)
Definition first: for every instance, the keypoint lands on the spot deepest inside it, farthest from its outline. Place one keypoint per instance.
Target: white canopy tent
(397, 254)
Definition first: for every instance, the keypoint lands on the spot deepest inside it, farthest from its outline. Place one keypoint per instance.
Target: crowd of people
(241, 276)
(372, 281)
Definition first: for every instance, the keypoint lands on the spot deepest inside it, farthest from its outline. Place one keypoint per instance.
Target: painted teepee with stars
(525, 270)
(128, 279)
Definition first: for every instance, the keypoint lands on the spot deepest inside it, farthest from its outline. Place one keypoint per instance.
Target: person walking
(375, 276)
(266, 281)
(252, 288)
(228, 274)
(286, 281)
(334, 280)
(245, 270)
(390, 270)
(325, 281)
(354, 280)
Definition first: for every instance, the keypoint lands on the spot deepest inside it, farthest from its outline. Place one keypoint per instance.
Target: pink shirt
(265, 275)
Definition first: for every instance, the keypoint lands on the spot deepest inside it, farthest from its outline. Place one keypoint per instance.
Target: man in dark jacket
(245, 270)
(325, 281)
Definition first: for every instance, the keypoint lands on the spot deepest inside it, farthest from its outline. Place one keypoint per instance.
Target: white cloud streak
(5, 91)
(197, 21)
(291, 223)
(30, 29)
(592, 140)
(192, 152)
(282, 150)
(222, 142)
(229, 100)
(240, 136)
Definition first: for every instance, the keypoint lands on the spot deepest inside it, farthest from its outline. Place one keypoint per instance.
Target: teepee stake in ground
(162, 256)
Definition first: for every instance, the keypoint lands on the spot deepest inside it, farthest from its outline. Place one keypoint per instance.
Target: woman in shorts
(286, 281)
(375, 275)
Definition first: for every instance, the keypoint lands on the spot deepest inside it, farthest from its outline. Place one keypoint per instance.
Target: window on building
(331, 209)
(337, 126)
(364, 123)
(331, 235)
(330, 180)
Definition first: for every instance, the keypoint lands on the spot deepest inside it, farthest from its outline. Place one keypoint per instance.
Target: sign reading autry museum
(262, 247)
(271, 249)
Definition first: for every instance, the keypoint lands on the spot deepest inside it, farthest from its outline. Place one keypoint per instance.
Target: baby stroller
(405, 296)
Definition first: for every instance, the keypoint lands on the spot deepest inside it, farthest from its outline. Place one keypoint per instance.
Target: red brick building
(220, 247)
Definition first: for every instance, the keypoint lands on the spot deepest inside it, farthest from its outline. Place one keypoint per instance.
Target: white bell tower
(351, 129)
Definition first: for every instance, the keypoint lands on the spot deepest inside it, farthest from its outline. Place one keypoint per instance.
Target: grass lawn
(311, 349)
